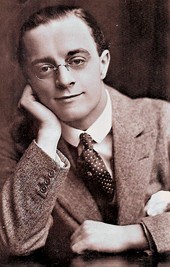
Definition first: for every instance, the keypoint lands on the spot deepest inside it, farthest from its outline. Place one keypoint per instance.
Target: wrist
(47, 140)
(136, 238)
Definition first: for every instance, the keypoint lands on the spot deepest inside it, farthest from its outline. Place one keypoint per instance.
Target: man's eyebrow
(42, 60)
(52, 61)
(77, 51)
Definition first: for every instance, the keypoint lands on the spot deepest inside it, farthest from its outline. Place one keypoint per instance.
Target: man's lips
(68, 97)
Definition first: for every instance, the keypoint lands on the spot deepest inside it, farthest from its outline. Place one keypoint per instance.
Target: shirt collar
(98, 130)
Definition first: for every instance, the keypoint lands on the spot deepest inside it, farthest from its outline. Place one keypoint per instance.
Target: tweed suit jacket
(42, 203)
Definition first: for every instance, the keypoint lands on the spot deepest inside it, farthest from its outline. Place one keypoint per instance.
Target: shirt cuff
(57, 158)
(59, 161)
(151, 244)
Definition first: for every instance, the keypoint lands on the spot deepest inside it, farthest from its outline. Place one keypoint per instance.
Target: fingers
(81, 240)
(77, 243)
(77, 233)
(27, 97)
(92, 236)
(79, 247)
(30, 102)
(158, 203)
(156, 209)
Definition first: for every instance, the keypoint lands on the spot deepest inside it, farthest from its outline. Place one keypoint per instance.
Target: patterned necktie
(91, 166)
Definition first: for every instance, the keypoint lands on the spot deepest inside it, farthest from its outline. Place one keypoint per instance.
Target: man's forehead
(64, 35)
(64, 23)
(67, 29)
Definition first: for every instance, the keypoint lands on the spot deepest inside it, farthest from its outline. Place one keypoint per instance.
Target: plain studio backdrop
(137, 31)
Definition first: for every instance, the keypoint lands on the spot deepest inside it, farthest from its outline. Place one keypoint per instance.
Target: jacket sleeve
(159, 226)
(27, 197)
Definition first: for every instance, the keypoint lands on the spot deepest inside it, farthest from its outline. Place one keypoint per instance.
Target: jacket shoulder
(143, 106)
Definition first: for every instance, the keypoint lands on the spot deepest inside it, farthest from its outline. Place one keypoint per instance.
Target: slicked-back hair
(48, 14)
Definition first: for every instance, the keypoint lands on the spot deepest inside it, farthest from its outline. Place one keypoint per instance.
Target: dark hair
(47, 14)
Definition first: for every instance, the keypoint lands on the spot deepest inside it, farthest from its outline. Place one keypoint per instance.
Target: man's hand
(49, 125)
(158, 203)
(102, 237)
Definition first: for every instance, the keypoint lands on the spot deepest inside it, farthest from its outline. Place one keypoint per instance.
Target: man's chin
(75, 123)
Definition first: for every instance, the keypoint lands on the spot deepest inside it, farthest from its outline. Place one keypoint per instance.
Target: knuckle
(86, 225)
(86, 229)
(22, 102)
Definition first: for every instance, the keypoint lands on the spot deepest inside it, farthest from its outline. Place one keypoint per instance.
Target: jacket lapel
(132, 142)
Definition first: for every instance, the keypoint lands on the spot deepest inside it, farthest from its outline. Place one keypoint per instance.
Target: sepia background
(137, 31)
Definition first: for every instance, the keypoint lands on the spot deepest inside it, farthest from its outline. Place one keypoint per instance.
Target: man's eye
(76, 62)
(46, 68)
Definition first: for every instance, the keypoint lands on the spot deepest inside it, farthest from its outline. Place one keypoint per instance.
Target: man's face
(76, 96)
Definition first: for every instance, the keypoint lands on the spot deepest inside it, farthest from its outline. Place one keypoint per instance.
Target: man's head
(65, 58)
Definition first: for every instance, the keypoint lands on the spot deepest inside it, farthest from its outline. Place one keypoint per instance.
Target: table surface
(126, 260)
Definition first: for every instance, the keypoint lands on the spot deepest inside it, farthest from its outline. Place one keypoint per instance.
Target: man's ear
(104, 63)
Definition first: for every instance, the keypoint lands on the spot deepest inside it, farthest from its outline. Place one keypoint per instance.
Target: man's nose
(64, 77)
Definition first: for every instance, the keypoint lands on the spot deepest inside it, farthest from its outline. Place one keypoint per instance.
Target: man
(49, 202)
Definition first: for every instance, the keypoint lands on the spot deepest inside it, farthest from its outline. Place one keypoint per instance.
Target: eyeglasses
(48, 70)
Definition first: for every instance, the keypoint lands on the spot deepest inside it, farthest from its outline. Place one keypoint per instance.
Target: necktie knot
(86, 140)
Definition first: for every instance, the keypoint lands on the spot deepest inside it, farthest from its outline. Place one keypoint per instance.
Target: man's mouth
(68, 96)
